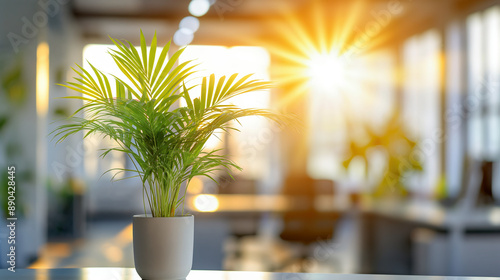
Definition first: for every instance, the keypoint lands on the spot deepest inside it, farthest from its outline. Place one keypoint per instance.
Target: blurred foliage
(60, 211)
(441, 190)
(13, 83)
(3, 122)
(393, 140)
(62, 112)
(13, 87)
(4, 184)
(59, 75)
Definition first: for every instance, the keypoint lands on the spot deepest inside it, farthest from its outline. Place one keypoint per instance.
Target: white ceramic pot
(163, 247)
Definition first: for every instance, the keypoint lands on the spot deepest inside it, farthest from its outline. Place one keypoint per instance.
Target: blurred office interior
(390, 167)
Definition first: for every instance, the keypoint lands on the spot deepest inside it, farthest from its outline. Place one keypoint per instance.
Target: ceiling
(242, 21)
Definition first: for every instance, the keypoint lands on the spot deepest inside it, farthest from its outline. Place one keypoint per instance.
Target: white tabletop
(130, 274)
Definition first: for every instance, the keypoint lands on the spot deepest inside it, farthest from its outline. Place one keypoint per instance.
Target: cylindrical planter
(163, 247)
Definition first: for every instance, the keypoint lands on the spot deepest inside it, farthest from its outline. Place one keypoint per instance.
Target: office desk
(387, 226)
(259, 203)
(432, 214)
(394, 230)
(426, 213)
(130, 274)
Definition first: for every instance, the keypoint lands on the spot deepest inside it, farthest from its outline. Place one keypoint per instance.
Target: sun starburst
(316, 49)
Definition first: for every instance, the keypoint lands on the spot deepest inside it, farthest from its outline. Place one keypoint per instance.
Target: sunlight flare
(325, 70)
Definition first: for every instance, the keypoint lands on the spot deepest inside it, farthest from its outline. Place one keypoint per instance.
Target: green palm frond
(163, 140)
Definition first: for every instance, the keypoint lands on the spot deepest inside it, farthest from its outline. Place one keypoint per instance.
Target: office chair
(241, 224)
(303, 224)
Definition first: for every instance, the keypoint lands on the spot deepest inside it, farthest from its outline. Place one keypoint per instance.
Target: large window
(483, 42)
(422, 105)
(483, 91)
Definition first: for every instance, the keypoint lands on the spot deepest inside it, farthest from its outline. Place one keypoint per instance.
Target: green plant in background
(399, 150)
(13, 83)
(4, 198)
(62, 206)
(164, 140)
(13, 92)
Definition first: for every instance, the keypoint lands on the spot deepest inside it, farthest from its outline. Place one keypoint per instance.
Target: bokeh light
(183, 37)
(190, 23)
(206, 203)
(199, 7)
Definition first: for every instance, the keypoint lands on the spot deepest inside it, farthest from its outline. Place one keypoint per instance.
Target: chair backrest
(237, 185)
(485, 195)
(304, 224)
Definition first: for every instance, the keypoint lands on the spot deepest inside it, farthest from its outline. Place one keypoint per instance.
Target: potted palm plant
(163, 138)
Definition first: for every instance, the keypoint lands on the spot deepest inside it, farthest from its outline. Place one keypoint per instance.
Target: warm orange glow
(42, 263)
(42, 274)
(125, 236)
(42, 79)
(112, 252)
(195, 186)
(50, 254)
(318, 53)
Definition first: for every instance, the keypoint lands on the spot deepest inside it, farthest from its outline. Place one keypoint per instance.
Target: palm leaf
(163, 140)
